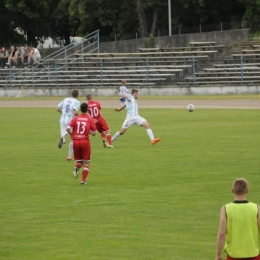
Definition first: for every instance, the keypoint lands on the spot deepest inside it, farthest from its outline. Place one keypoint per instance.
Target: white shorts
(130, 120)
(63, 130)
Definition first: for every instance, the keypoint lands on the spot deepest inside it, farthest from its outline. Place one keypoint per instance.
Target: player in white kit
(69, 109)
(123, 90)
(133, 117)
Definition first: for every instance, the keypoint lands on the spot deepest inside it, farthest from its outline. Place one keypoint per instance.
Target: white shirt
(36, 52)
(132, 107)
(67, 106)
(123, 90)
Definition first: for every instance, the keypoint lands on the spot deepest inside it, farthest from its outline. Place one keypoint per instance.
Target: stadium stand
(200, 63)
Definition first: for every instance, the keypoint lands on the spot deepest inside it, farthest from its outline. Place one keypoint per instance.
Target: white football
(190, 107)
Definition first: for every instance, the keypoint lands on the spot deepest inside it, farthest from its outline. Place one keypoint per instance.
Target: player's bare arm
(75, 112)
(121, 108)
(221, 233)
(93, 133)
(59, 110)
(258, 218)
(69, 130)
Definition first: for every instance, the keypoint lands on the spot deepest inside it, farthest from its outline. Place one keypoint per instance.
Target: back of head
(75, 93)
(134, 91)
(124, 82)
(89, 97)
(240, 186)
(84, 107)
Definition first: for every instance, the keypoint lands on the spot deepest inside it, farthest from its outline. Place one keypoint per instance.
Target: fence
(190, 70)
(177, 30)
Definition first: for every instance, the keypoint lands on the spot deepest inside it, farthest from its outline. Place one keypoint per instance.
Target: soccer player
(123, 90)
(133, 117)
(79, 128)
(101, 124)
(239, 226)
(69, 109)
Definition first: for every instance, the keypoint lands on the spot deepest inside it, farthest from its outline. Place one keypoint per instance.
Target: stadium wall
(221, 37)
(144, 91)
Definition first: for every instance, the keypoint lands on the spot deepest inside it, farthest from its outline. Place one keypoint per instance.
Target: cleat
(104, 144)
(109, 146)
(69, 158)
(60, 143)
(83, 183)
(156, 140)
(76, 172)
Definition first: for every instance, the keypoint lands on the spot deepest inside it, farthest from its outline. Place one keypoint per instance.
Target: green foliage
(64, 18)
(149, 42)
(141, 201)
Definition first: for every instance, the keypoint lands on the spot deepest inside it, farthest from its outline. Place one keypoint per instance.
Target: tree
(8, 25)
(31, 16)
(147, 15)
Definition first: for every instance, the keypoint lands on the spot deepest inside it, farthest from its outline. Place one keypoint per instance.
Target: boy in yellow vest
(239, 226)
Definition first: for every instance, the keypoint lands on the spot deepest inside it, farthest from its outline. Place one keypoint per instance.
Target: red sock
(109, 139)
(103, 136)
(85, 173)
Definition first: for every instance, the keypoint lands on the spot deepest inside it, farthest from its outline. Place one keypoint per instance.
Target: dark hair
(134, 91)
(75, 93)
(84, 107)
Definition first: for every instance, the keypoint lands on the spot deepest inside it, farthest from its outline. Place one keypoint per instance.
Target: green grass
(141, 201)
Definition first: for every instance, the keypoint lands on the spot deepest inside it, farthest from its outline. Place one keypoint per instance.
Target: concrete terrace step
(221, 82)
(228, 78)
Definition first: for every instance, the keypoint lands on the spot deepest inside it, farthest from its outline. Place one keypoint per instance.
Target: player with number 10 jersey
(94, 108)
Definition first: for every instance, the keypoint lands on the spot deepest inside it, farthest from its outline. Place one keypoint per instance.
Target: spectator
(11, 56)
(33, 54)
(4, 54)
(239, 226)
(19, 56)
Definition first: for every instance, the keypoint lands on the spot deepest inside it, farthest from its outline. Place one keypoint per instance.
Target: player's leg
(69, 158)
(63, 133)
(77, 158)
(86, 152)
(104, 129)
(142, 122)
(127, 123)
(108, 138)
(103, 136)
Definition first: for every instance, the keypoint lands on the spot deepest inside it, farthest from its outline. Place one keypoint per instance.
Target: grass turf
(141, 201)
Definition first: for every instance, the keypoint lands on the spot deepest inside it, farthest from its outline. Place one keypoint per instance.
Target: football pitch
(141, 201)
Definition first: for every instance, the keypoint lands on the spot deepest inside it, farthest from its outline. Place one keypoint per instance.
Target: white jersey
(36, 52)
(67, 106)
(123, 90)
(132, 107)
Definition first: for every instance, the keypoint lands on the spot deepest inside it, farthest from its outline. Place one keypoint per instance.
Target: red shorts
(101, 125)
(82, 150)
(250, 258)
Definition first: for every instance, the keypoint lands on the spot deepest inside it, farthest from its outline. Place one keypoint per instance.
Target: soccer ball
(190, 107)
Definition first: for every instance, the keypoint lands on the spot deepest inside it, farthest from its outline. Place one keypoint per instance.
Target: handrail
(66, 52)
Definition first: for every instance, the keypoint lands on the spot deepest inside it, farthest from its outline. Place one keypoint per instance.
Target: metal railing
(192, 70)
(89, 43)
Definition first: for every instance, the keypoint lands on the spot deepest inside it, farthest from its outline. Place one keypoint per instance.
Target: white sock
(150, 134)
(70, 149)
(116, 135)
